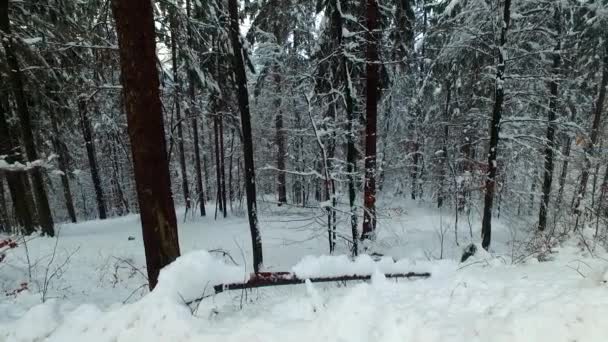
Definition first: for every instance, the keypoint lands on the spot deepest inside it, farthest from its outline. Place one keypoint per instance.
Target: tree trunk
(595, 131)
(230, 178)
(62, 153)
(372, 92)
(87, 134)
(223, 167)
(17, 180)
(243, 98)
(218, 166)
(200, 192)
(136, 38)
(281, 148)
(444, 156)
(178, 114)
(4, 219)
(490, 183)
(415, 167)
(16, 78)
(552, 116)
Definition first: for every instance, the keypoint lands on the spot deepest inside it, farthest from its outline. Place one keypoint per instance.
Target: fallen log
(265, 279)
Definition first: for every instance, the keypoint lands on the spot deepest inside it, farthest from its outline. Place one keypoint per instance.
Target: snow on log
(265, 279)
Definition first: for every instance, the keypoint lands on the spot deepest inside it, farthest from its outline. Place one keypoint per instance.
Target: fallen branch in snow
(265, 279)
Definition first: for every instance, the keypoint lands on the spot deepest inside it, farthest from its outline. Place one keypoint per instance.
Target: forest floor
(89, 284)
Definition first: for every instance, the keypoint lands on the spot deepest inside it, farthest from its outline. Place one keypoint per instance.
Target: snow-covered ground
(93, 281)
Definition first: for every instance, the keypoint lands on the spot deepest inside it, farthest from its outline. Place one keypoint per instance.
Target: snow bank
(194, 273)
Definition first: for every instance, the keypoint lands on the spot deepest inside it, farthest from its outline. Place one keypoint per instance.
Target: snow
(194, 272)
(97, 295)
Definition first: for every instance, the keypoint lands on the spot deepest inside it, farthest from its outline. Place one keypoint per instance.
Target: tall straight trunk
(206, 173)
(4, 220)
(200, 192)
(281, 148)
(62, 153)
(371, 111)
(223, 167)
(444, 156)
(499, 97)
(18, 185)
(552, 116)
(415, 168)
(218, 166)
(338, 9)
(178, 114)
(243, 98)
(137, 45)
(16, 78)
(87, 134)
(230, 181)
(595, 131)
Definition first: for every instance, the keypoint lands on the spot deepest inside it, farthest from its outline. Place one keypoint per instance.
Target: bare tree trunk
(490, 185)
(351, 152)
(4, 219)
(372, 92)
(16, 78)
(230, 181)
(549, 150)
(62, 153)
(415, 167)
(281, 148)
(200, 192)
(178, 114)
(595, 130)
(243, 97)
(444, 156)
(17, 181)
(92, 157)
(222, 167)
(218, 166)
(136, 37)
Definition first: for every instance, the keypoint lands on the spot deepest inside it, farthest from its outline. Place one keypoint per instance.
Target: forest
(361, 131)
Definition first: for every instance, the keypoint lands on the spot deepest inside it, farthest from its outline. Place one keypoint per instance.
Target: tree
(17, 180)
(87, 133)
(372, 92)
(177, 100)
(44, 210)
(136, 38)
(499, 97)
(552, 116)
(243, 99)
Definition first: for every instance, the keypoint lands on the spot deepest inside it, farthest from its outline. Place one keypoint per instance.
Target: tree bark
(197, 153)
(444, 156)
(178, 114)
(490, 183)
(218, 165)
(243, 98)
(87, 134)
(371, 111)
(137, 45)
(16, 78)
(552, 116)
(223, 167)
(17, 180)
(62, 153)
(281, 148)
